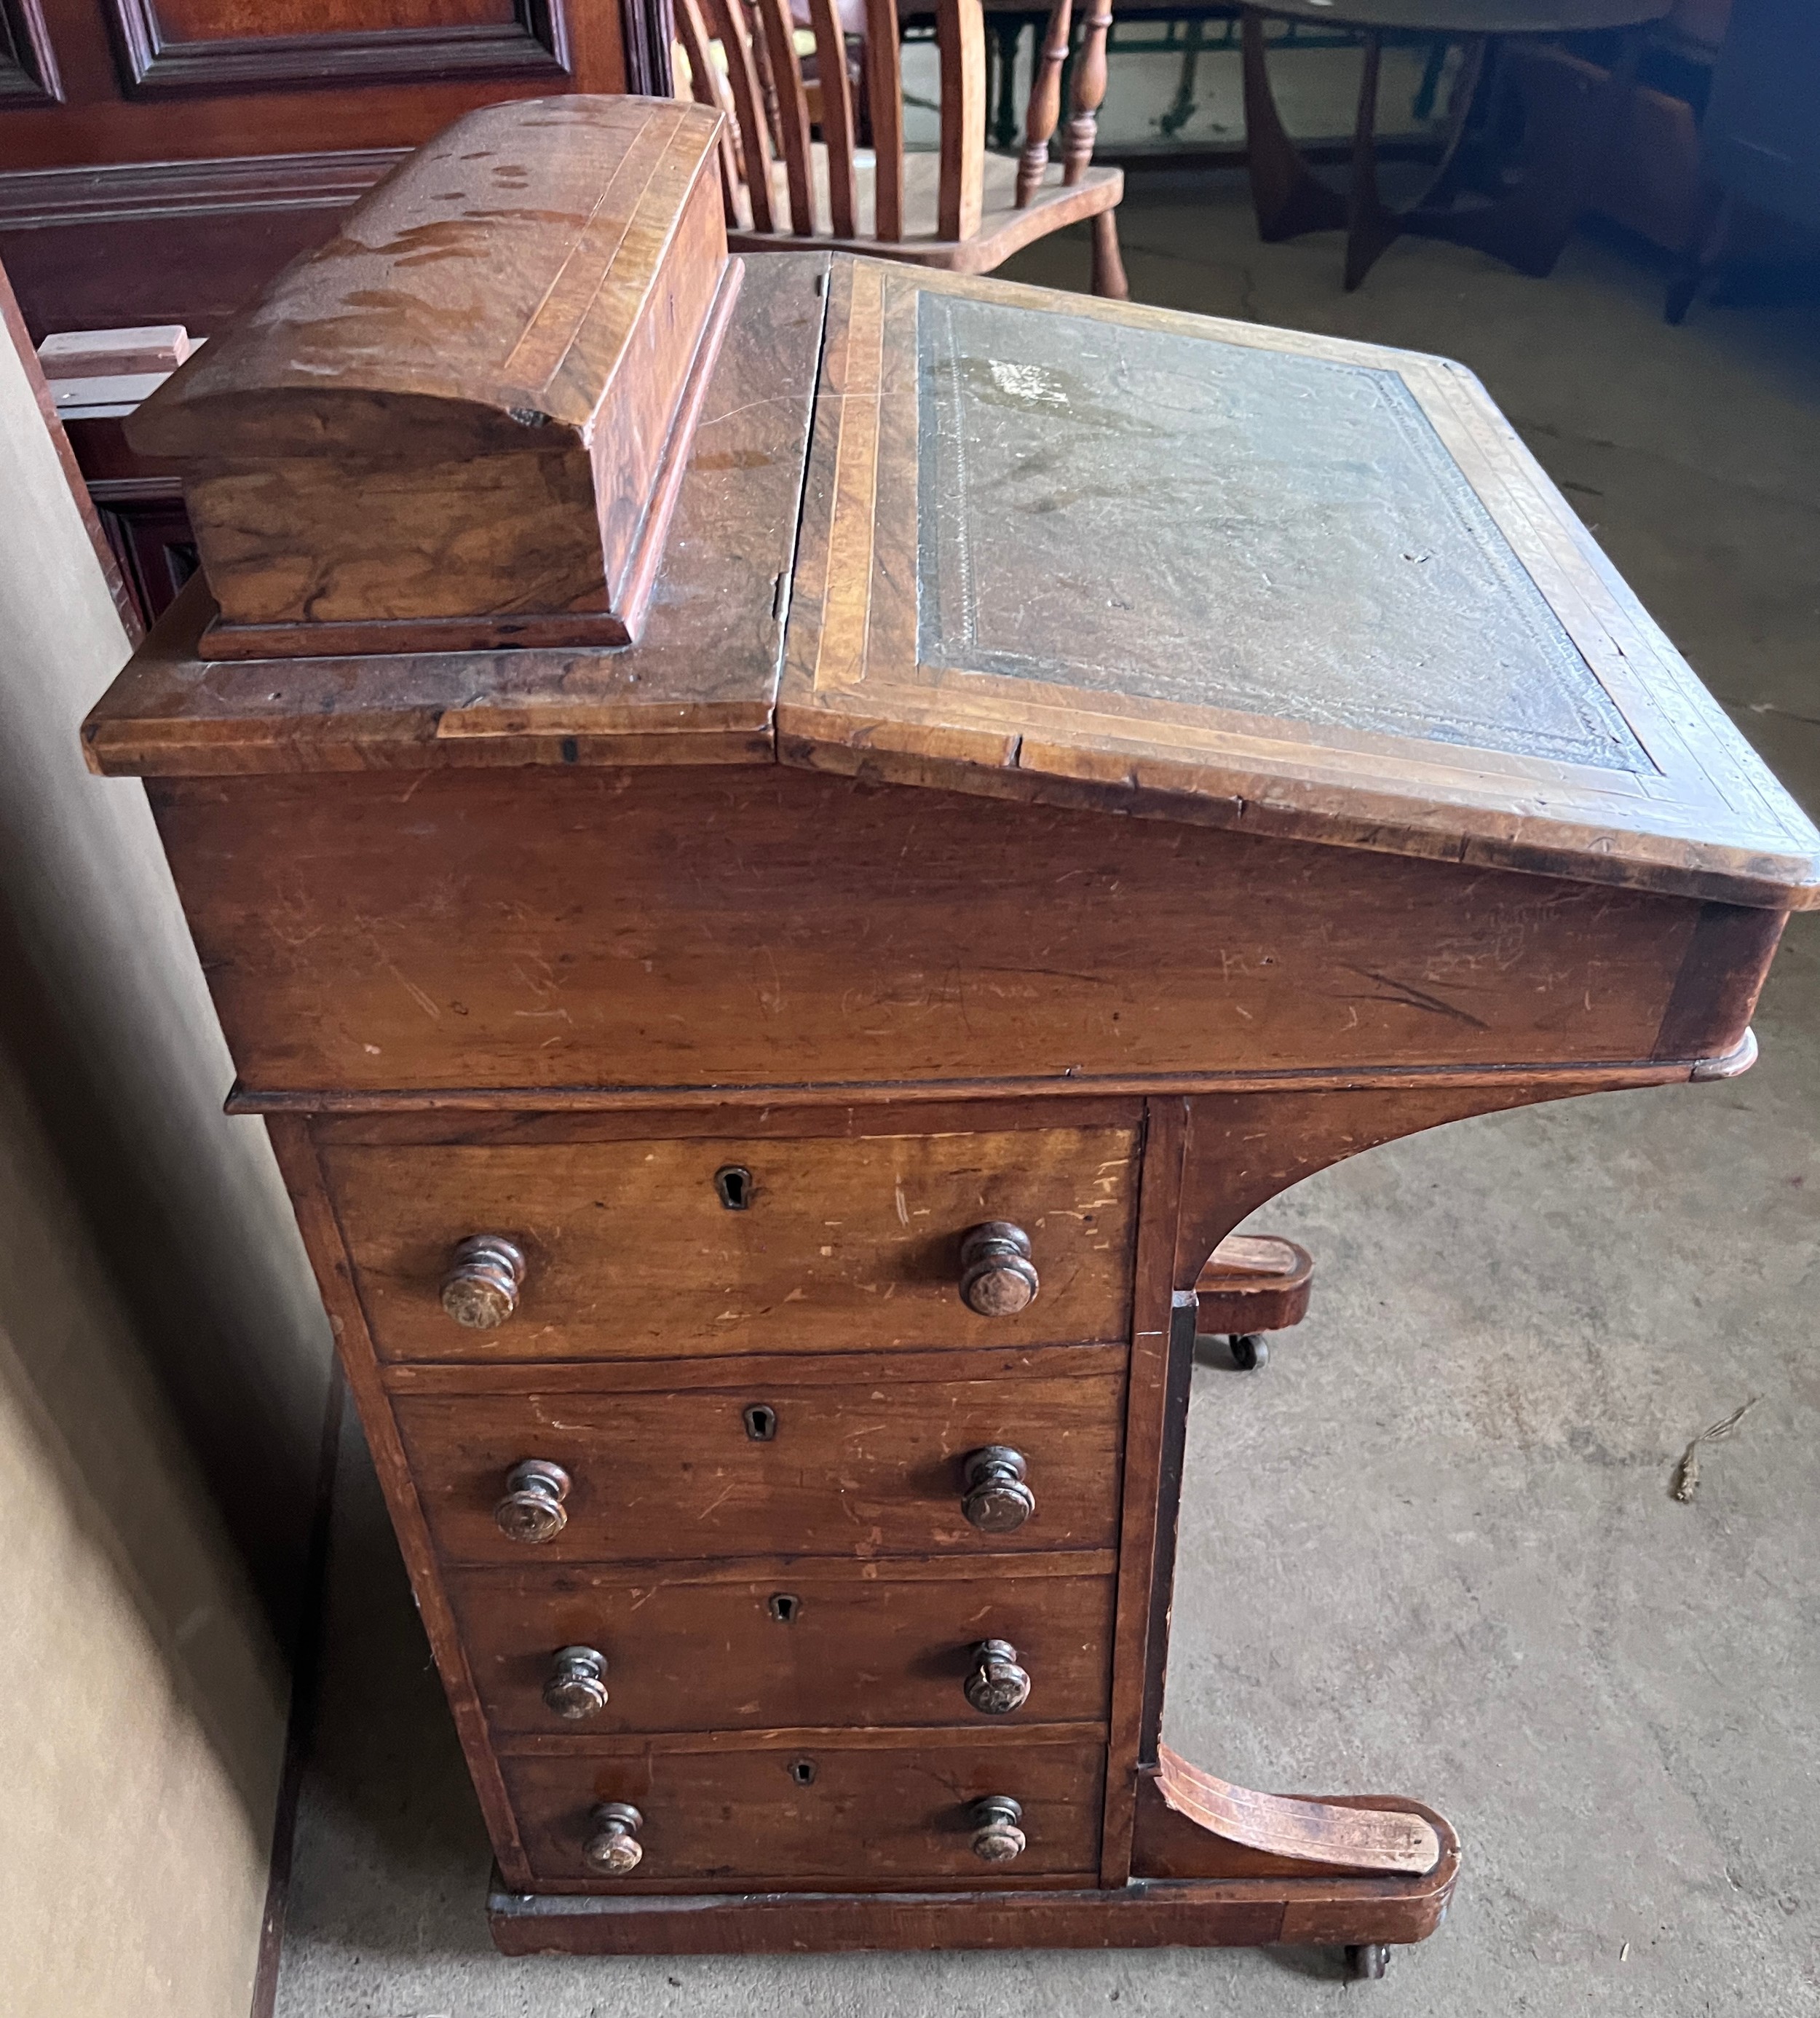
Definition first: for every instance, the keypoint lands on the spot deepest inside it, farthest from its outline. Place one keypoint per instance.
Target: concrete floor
(1431, 1549)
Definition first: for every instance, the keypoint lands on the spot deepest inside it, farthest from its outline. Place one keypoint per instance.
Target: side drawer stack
(773, 1483)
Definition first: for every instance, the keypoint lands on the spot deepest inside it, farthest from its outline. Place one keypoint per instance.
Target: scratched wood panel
(759, 927)
(870, 1816)
(869, 1469)
(630, 1250)
(1288, 583)
(787, 1644)
(462, 405)
(698, 686)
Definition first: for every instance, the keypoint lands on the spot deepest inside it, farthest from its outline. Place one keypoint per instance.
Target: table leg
(1703, 251)
(1181, 108)
(1284, 193)
(1371, 226)
(1572, 129)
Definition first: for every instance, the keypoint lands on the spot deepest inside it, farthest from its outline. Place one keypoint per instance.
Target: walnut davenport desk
(786, 847)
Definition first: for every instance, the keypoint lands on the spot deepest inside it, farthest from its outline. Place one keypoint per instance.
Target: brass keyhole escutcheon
(803, 1772)
(761, 1421)
(733, 1184)
(785, 1607)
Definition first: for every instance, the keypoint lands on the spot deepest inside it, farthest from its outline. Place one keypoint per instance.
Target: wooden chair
(961, 209)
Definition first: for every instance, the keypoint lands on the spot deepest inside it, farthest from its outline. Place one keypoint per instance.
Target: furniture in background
(961, 210)
(160, 159)
(1650, 182)
(1760, 141)
(96, 379)
(766, 1103)
(1566, 142)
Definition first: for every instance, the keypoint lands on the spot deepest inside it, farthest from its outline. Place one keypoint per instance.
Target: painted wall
(163, 1358)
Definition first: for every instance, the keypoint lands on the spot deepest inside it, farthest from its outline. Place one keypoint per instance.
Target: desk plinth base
(1316, 1912)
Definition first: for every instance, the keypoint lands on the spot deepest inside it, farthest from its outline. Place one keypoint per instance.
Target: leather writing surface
(1136, 512)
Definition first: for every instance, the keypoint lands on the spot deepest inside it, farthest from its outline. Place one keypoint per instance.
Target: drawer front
(815, 1811)
(636, 1249)
(801, 1644)
(872, 1469)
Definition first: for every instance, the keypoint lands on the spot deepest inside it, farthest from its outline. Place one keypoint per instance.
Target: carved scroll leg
(1253, 1283)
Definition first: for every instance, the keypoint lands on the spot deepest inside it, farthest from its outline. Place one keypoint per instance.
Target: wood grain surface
(713, 1646)
(1689, 811)
(843, 1244)
(1351, 1837)
(1253, 1282)
(532, 310)
(302, 1176)
(367, 932)
(1147, 1913)
(698, 687)
(432, 419)
(867, 687)
(896, 1814)
(856, 1470)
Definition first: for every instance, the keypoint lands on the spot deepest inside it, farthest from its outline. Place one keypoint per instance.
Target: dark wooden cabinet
(160, 159)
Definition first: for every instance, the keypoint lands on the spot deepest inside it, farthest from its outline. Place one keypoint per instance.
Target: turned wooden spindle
(767, 76)
(1045, 101)
(1088, 93)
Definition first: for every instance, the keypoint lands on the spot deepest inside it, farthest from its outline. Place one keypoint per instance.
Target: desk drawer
(813, 1809)
(870, 1468)
(785, 1644)
(678, 1247)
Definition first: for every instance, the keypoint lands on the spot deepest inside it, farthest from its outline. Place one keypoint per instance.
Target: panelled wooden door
(160, 159)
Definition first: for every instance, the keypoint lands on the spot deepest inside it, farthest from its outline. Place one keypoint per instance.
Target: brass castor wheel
(1367, 1961)
(1249, 1349)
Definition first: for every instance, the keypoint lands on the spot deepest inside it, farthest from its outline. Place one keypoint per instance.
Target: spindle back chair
(960, 208)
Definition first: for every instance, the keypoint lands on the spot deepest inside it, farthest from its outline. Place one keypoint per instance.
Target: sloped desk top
(1080, 551)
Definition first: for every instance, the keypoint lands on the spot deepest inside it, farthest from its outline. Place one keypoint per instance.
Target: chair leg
(1108, 269)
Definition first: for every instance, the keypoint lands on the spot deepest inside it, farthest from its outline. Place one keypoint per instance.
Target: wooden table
(1530, 222)
(761, 1100)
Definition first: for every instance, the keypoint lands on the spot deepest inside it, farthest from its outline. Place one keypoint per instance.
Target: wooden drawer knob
(998, 1277)
(996, 1685)
(614, 1847)
(996, 1837)
(576, 1687)
(485, 1276)
(997, 1500)
(533, 1509)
